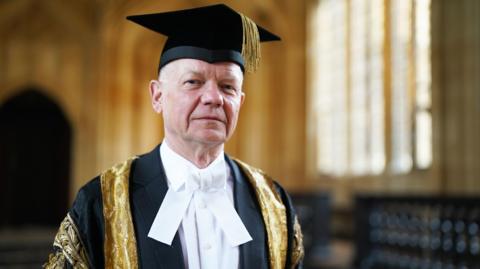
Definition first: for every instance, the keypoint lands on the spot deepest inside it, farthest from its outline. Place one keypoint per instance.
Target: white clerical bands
(212, 191)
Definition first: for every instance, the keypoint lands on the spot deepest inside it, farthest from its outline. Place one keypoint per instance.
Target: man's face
(200, 102)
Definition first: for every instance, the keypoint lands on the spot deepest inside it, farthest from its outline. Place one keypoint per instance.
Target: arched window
(370, 86)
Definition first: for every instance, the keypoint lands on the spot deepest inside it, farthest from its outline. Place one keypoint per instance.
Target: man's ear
(242, 98)
(156, 95)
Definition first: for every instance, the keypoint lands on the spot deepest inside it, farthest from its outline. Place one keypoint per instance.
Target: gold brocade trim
(273, 212)
(297, 248)
(70, 247)
(55, 261)
(120, 247)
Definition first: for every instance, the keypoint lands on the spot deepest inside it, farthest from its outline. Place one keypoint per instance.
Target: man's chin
(211, 138)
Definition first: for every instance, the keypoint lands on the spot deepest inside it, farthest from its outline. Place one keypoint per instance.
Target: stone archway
(35, 150)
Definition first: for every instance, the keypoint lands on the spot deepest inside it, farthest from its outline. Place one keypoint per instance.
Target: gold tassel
(251, 44)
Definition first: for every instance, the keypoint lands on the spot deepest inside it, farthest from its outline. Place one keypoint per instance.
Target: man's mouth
(212, 118)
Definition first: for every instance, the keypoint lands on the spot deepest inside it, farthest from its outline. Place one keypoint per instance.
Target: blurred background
(367, 112)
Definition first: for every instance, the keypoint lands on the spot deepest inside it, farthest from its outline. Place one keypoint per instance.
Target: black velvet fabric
(87, 214)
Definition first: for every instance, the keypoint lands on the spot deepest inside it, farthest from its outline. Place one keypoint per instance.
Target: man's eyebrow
(231, 76)
(192, 72)
(189, 74)
(230, 72)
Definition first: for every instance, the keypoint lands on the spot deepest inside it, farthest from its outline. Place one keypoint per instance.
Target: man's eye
(192, 82)
(229, 88)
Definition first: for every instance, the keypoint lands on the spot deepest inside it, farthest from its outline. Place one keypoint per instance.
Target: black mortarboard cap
(214, 33)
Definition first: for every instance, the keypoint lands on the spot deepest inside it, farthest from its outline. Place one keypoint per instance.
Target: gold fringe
(250, 44)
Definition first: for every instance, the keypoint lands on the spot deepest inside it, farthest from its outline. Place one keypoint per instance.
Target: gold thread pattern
(120, 245)
(250, 44)
(70, 247)
(273, 212)
(297, 248)
(55, 261)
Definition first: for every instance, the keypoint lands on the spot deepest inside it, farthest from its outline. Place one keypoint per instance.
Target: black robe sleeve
(87, 213)
(79, 240)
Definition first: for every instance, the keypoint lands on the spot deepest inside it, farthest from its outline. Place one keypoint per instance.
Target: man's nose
(212, 95)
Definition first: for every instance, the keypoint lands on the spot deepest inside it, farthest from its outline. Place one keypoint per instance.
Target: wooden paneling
(460, 95)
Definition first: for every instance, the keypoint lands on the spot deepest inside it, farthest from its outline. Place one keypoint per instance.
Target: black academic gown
(148, 186)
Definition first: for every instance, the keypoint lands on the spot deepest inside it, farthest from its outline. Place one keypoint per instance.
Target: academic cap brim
(214, 33)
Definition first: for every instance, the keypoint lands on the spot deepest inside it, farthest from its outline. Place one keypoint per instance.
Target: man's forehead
(187, 65)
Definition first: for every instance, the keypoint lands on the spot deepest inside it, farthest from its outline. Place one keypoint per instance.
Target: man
(186, 204)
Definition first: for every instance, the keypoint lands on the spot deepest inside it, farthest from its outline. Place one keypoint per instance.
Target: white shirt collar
(179, 169)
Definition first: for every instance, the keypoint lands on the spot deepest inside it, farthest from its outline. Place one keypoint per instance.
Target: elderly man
(186, 204)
